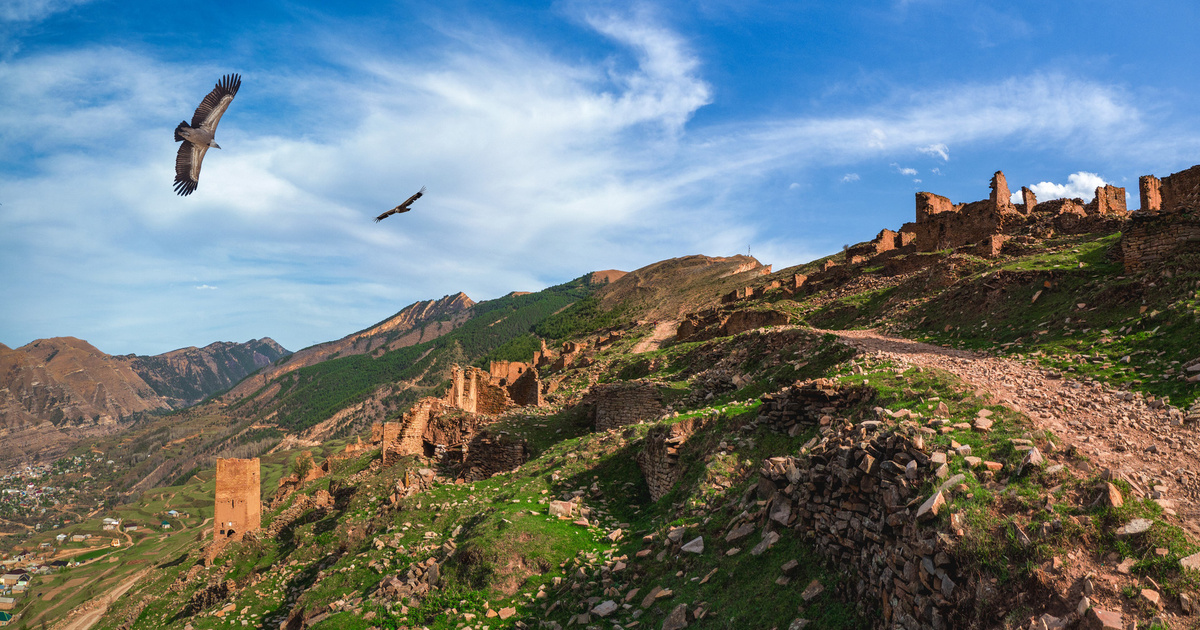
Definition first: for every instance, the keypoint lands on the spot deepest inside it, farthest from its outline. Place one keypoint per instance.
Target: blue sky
(555, 138)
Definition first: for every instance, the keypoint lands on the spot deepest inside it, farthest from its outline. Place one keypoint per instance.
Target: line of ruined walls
(983, 228)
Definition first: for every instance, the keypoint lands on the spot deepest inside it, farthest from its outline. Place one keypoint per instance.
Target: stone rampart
(238, 502)
(619, 404)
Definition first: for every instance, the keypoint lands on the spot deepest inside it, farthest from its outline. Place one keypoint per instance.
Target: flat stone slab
(696, 545)
(1135, 527)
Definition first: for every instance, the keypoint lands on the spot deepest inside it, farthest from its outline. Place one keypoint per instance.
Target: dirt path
(94, 609)
(1115, 429)
(662, 332)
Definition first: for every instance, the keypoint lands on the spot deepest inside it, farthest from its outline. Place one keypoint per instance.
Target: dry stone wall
(659, 457)
(619, 404)
(488, 454)
(855, 495)
(1149, 239)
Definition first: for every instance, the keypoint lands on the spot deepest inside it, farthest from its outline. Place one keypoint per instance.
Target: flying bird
(198, 136)
(404, 207)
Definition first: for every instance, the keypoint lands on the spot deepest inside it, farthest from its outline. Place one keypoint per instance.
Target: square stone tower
(238, 504)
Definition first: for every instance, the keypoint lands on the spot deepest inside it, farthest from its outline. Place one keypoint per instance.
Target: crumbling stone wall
(472, 390)
(659, 457)
(1110, 200)
(238, 504)
(855, 496)
(1181, 191)
(1029, 198)
(488, 454)
(1152, 238)
(929, 204)
(1150, 191)
(620, 404)
(526, 390)
(713, 322)
(809, 403)
(1000, 197)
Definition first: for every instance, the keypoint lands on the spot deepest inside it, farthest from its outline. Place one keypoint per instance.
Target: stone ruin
(659, 457)
(618, 404)
(446, 428)
(724, 322)
(238, 505)
(941, 224)
(1168, 222)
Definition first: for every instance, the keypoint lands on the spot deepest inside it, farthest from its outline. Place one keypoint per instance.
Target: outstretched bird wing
(209, 113)
(187, 167)
(404, 207)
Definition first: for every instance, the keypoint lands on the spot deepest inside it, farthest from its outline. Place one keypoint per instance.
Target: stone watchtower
(238, 504)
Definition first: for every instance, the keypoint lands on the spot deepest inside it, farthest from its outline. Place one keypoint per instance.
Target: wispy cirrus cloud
(938, 149)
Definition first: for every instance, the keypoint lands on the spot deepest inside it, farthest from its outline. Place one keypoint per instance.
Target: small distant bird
(404, 207)
(198, 136)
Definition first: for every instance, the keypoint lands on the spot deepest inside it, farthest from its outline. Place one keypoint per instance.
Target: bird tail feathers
(182, 125)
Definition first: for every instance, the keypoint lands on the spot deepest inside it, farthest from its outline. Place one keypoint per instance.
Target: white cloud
(206, 287)
(850, 177)
(903, 170)
(936, 150)
(1082, 185)
(793, 185)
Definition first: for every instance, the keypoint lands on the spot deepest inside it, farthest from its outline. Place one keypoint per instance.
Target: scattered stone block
(812, 591)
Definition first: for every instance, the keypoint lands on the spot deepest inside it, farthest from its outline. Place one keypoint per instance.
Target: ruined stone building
(445, 428)
(1168, 222)
(238, 503)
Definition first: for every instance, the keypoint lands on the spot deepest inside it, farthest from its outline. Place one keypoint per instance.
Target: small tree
(302, 465)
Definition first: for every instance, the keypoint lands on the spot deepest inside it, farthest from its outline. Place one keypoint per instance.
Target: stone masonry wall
(855, 496)
(1153, 238)
(488, 454)
(619, 404)
(659, 457)
(237, 501)
(1150, 191)
(1181, 191)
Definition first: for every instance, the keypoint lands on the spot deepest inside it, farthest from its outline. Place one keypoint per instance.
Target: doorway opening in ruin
(229, 534)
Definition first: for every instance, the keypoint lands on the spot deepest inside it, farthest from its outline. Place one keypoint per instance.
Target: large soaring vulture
(198, 136)
(404, 207)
